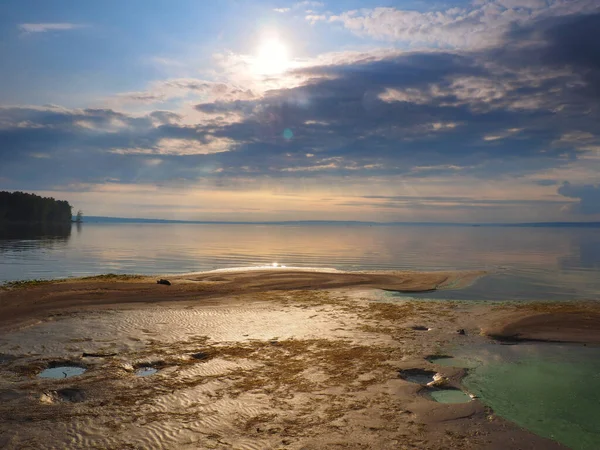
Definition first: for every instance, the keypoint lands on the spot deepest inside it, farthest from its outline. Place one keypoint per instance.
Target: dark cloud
(567, 43)
(588, 195)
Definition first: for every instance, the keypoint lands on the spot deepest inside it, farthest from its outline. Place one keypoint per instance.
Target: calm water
(550, 389)
(552, 263)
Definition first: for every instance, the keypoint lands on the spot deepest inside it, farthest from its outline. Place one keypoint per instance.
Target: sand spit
(244, 363)
(547, 322)
(31, 302)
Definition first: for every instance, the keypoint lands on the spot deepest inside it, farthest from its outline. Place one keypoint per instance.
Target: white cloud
(478, 25)
(164, 90)
(281, 10)
(314, 18)
(179, 147)
(502, 134)
(44, 27)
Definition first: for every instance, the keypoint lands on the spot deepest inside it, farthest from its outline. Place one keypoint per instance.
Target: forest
(23, 207)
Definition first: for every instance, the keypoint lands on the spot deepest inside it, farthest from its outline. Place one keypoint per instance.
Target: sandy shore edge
(350, 354)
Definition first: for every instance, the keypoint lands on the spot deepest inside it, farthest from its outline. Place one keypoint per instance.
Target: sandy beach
(255, 360)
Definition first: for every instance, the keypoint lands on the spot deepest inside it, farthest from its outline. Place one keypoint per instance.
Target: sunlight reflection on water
(550, 263)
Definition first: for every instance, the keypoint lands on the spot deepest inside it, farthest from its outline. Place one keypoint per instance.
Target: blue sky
(484, 110)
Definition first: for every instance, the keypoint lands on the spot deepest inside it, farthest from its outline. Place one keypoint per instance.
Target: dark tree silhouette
(23, 207)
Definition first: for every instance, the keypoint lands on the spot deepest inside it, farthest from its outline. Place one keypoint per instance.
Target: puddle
(419, 376)
(62, 372)
(145, 371)
(450, 395)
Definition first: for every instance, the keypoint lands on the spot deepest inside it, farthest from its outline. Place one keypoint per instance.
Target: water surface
(527, 263)
(550, 389)
(62, 372)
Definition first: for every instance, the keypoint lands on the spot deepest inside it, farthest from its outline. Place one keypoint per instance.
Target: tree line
(23, 207)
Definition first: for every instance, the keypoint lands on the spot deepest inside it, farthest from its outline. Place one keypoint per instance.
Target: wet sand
(576, 323)
(28, 303)
(248, 360)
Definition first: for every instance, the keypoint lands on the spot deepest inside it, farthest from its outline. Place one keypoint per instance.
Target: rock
(163, 281)
(438, 381)
(71, 395)
(98, 355)
(462, 332)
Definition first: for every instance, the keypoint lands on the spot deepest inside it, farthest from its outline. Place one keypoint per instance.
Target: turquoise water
(552, 390)
(449, 396)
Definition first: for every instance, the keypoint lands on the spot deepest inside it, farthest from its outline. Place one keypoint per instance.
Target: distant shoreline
(122, 220)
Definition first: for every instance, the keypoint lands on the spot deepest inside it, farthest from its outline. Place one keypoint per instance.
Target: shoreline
(575, 323)
(21, 302)
(290, 359)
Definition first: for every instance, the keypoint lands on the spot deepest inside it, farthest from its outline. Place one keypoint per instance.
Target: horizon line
(356, 222)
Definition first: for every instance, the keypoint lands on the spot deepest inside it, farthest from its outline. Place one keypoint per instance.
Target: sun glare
(272, 58)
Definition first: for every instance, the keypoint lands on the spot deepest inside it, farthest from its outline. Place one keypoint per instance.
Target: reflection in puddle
(62, 372)
(418, 376)
(145, 371)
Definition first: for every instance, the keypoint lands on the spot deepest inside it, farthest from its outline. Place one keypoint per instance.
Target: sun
(272, 57)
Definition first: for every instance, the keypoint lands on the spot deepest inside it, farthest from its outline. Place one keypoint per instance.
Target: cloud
(180, 147)
(521, 113)
(481, 24)
(315, 18)
(281, 10)
(45, 27)
(164, 90)
(587, 194)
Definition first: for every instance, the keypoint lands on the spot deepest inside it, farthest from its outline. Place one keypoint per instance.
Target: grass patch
(111, 277)
(27, 284)
(550, 307)
(23, 284)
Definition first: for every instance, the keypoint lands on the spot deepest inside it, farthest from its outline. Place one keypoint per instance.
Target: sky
(377, 110)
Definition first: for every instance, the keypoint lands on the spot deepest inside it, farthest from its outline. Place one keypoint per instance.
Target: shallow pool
(62, 372)
(550, 389)
(448, 396)
(145, 371)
